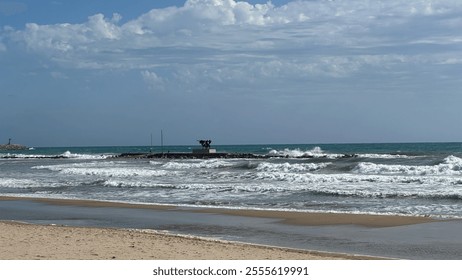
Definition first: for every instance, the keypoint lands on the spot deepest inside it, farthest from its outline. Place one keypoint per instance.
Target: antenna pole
(162, 141)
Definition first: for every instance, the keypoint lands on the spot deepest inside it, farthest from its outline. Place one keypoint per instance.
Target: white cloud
(101, 28)
(64, 38)
(230, 42)
(155, 82)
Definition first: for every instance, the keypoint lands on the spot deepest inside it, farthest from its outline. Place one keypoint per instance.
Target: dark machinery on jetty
(206, 149)
(205, 143)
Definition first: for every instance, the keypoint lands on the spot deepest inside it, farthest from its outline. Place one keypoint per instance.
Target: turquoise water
(379, 148)
(398, 178)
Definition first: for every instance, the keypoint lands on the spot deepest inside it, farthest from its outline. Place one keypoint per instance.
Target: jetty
(190, 155)
(205, 152)
(208, 153)
(11, 146)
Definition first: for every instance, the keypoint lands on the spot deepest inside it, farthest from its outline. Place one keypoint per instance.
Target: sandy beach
(40, 236)
(47, 242)
(22, 241)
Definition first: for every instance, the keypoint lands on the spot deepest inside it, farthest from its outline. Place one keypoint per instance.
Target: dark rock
(12, 147)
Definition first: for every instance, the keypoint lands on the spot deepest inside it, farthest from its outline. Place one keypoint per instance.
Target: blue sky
(84, 73)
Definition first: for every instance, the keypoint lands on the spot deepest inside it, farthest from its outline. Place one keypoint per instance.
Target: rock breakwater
(12, 147)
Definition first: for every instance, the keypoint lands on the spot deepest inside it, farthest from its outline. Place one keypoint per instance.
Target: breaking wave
(302, 178)
(316, 152)
(17, 183)
(66, 154)
(287, 167)
(103, 169)
(450, 166)
(207, 164)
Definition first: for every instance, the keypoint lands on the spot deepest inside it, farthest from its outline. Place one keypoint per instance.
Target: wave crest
(287, 167)
(451, 165)
(316, 152)
(207, 164)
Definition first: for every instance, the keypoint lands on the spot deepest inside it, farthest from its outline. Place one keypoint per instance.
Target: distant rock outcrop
(10, 146)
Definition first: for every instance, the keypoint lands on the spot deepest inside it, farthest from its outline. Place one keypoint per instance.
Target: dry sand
(20, 241)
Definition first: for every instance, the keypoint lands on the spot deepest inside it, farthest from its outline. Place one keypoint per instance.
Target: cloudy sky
(84, 73)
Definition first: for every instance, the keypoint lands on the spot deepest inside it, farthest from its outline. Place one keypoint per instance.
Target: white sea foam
(385, 183)
(68, 154)
(91, 164)
(450, 166)
(332, 185)
(316, 152)
(17, 183)
(287, 167)
(137, 184)
(114, 172)
(21, 156)
(269, 177)
(384, 156)
(104, 169)
(207, 164)
(350, 180)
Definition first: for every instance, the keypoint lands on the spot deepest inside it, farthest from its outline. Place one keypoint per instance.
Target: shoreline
(285, 217)
(82, 229)
(54, 242)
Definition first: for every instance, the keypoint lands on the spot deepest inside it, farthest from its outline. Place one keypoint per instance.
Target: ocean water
(419, 179)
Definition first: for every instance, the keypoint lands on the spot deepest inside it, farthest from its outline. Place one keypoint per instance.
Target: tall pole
(162, 141)
(150, 149)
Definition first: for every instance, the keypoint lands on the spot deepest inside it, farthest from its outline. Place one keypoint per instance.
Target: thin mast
(162, 141)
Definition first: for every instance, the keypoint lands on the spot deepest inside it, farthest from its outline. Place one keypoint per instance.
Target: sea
(413, 179)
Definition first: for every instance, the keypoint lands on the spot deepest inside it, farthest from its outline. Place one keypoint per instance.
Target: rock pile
(10, 146)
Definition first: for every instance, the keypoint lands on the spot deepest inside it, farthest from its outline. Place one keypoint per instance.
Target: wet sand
(287, 217)
(106, 230)
(326, 219)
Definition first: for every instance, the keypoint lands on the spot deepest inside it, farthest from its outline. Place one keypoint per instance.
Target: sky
(103, 73)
